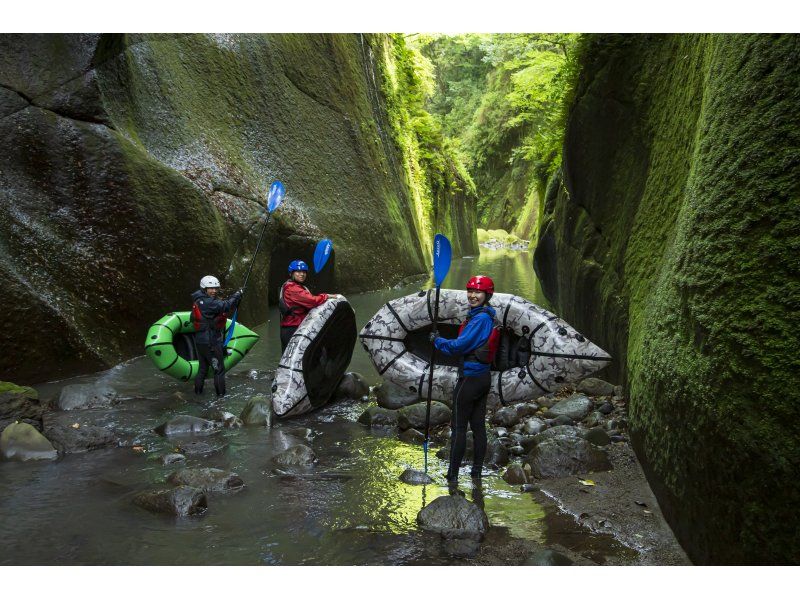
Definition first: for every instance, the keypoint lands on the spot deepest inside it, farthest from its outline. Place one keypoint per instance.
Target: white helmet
(209, 282)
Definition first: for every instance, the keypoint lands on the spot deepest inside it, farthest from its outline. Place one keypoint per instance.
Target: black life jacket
(484, 354)
(284, 309)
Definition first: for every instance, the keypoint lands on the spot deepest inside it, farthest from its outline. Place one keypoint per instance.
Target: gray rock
(546, 401)
(501, 432)
(183, 501)
(533, 426)
(611, 425)
(415, 476)
(526, 409)
(516, 474)
(562, 420)
(391, 396)
(68, 439)
(22, 442)
(619, 391)
(173, 458)
(453, 514)
(516, 438)
(595, 418)
(351, 386)
(517, 450)
(257, 412)
(595, 387)
(460, 544)
(598, 437)
(412, 436)
(506, 417)
(297, 455)
(561, 456)
(547, 558)
(527, 442)
(606, 408)
(208, 479)
(617, 438)
(378, 417)
(186, 424)
(574, 406)
(556, 432)
(18, 403)
(496, 454)
(413, 416)
(200, 448)
(86, 396)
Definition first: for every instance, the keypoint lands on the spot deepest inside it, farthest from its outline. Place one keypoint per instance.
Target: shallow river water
(349, 509)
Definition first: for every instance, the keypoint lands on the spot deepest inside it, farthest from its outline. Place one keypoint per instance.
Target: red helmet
(481, 283)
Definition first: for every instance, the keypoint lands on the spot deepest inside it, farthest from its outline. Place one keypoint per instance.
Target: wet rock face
(352, 386)
(86, 396)
(413, 416)
(186, 424)
(183, 501)
(257, 412)
(207, 479)
(297, 455)
(18, 403)
(391, 396)
(562, 456)
(69, 439)
(576, 407)
(23, 442)
(378, 417)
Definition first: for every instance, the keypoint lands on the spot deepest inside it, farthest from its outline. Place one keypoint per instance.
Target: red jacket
(297, 296)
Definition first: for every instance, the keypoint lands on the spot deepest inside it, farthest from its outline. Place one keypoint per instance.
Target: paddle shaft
(258, 246)
(430, 380)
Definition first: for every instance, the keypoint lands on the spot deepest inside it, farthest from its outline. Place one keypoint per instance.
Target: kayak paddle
(274, 199)
(442, 252)
(321, 254)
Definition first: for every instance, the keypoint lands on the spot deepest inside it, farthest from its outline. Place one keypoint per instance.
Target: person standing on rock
(209, 315)
(295, 300)
(477, 342)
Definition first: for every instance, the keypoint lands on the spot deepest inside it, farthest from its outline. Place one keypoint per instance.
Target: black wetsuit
(209, 339)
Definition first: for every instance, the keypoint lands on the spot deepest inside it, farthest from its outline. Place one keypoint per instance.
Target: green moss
(682, 179)
(21, 390)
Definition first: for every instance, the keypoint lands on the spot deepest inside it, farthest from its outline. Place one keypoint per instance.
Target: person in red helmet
(476, 342)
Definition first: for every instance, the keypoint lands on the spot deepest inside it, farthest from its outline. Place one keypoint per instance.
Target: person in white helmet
(209, 315)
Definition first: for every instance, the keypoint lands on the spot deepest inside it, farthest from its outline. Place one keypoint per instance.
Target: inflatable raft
(539, 352)
(170, 345)
(315, 359)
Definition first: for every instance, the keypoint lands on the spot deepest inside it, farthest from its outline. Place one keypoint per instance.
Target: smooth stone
(562, 456)
(378, 417)
(416, 477)
(199, 448)
(547, 558)
(595, 418)
(506, 417)
(453, 513)
(575, 407)
(297, 455)
(501, 432)
(172, 458)
(546, 401)
(413, 416)
(496, 454)
(611, 425)
(562, 420)
(208, 479)
(181, 502)
(186, 424)
(391, 396)
(68, 439)
(412, 436)
(556, 432)
(351, 386)
(517, 450)
(595, 387)
(617, 438)
(533, 426)
(606, 408)
(86, 396)
(527, 442)
(22, 442)
(526, 409)
(257, 412)
(598, 437)
(515, 474)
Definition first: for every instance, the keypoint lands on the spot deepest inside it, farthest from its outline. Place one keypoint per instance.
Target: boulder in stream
(187, 424)
(412, 436)
(391, 396)
(462, 524)
(506, 417)
(297, 455)
(595, 387)
(86, 396)
(182, 501)
(576, 407)
(22, 442)
(563, 456)
(208, 479)
(257, 412)
(352, 386)
(413, 416)
(378, 417)
(79, 438)
(416, 477)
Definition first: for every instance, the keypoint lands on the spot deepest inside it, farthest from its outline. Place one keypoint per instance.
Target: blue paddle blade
(276, 193)
(322, 253)
(230, 330)
(442, 253)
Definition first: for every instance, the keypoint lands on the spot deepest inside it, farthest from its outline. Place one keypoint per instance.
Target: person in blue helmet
(295, 300)
(477, 342)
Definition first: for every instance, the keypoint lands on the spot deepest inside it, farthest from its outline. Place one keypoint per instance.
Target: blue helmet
(298, 265)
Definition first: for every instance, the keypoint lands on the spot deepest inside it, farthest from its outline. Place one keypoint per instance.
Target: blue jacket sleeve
(475, 333)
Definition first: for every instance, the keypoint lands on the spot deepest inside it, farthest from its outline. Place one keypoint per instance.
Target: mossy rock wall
(134, 164)
(672, 240)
